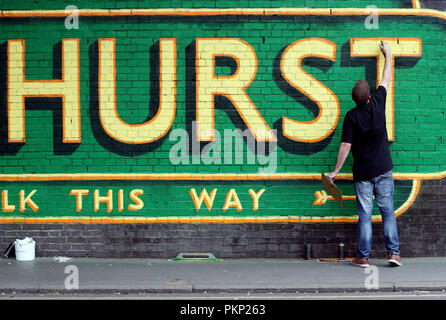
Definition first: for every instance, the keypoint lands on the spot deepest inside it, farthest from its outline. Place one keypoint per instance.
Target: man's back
(365, 128)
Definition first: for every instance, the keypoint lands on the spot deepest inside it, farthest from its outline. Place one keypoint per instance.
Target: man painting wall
(364, 133)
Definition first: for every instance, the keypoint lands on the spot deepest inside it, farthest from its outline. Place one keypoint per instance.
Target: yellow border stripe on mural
(416, 11)
(198, 176)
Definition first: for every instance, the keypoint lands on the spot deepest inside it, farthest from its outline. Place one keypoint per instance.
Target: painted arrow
(322, 197)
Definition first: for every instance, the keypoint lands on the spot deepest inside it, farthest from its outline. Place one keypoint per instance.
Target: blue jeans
(382, 188)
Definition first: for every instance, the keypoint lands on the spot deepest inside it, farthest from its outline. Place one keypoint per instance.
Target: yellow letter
(139, 204)
(120, 200)
(232, 200)
(291, 68)
(5, 206)
(208, 200)
(28, 201)
(108, 199)
(152, 129)
(255, 198)
(68, 88)
(232, 87)
(78, 193)
(402, 47)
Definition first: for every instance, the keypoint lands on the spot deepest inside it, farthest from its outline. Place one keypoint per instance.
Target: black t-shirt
(365, 128)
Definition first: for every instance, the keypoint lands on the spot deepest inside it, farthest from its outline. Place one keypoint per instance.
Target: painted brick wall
(48, 165)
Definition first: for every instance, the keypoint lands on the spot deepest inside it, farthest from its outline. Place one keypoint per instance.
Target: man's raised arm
(387, 73)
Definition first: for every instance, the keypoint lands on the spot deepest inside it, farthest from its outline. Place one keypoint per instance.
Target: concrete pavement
(45, 275)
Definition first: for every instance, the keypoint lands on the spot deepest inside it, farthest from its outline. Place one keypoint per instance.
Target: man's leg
(364, 204)
(384, 187)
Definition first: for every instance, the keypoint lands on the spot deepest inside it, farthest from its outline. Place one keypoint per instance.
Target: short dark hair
(361, 93)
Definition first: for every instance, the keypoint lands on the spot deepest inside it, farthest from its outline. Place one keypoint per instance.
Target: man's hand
(385, 48)
(331, 177)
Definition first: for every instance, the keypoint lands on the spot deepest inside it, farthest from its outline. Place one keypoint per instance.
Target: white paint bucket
(25, 250)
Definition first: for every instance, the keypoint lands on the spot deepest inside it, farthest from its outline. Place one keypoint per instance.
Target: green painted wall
(420, 105)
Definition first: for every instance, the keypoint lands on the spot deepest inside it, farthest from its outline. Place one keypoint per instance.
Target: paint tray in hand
(331, 189)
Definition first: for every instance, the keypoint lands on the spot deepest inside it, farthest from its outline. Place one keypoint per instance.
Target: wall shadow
(190, 103)
(297, 147)
(434, 4)
(227, 63)
(6, 148)
(59, 147)
(369, 63)
(54, 104)
(101, 136)
(406, 4)
(57, 60)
